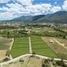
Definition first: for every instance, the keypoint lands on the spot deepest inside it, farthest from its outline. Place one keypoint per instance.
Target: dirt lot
(2, 54)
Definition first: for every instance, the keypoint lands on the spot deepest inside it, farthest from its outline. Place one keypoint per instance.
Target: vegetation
(20, 46)
(40, 47)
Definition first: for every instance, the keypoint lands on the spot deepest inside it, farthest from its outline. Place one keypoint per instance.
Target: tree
(8, 34)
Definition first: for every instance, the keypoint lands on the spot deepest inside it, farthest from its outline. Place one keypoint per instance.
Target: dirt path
(30, 46)
(27, 55)
(59, 43)
(11, 44)
(32, 62)
(2, 54)
(7, 42)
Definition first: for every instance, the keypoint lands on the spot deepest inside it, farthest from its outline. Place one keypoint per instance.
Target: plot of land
(59, 49)
(20, 47)
(44, 29)
(64, 29)
(41, 47)
(2, 54)
(63, 41)
(5, 43)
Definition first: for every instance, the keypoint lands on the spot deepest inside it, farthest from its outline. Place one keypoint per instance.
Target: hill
(58, 17)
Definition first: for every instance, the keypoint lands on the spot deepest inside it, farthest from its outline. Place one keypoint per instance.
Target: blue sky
(10, 9)
(53, 2)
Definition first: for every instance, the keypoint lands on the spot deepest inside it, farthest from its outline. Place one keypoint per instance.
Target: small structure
(51, 41)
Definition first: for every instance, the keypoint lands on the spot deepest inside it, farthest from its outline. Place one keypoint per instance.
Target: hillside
(58, 17)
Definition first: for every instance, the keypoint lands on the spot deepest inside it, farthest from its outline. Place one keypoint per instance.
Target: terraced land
(19, 47)
(40, 47)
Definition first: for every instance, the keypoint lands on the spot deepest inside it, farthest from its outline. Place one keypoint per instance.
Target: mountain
(58, 17)
(34, 18)
(23, 19)
(28, 18)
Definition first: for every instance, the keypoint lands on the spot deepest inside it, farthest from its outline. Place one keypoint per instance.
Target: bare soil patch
(2, 54)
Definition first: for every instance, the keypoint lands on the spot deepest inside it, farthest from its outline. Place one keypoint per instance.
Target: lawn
(19, 47)
(41, 48)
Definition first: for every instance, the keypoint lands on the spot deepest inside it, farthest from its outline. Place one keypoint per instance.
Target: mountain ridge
(58, 17)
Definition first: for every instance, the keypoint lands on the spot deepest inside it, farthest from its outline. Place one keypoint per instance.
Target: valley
(41, 41)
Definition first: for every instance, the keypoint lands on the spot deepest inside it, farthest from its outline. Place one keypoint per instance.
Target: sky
(10, 9)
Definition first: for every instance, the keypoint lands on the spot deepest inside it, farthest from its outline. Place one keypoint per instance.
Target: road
(18, 58)
(11, 47)
(11, 44)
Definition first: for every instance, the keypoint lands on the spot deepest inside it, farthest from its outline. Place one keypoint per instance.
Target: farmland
(20, 46)
(41, 47)
(5, 44)
(58, 47)
(40, 40)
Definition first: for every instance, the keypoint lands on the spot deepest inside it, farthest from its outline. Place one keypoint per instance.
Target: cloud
(25, 2)
(55, 8)
(38, 8)
(65, 5)
(17, 9)
(6, 15)
(4, 1)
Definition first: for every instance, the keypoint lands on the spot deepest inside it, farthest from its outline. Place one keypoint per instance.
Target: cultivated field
(40, 47)
(20, 46)
(63, 41)
(44, 29)
(57, 46)
(64, 29)
(5, 44)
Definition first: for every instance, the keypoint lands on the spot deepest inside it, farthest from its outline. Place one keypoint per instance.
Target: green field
(20, 46)
(41, 48)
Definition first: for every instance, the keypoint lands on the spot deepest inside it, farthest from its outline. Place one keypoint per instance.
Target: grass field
(40, 47)
(19, 47)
